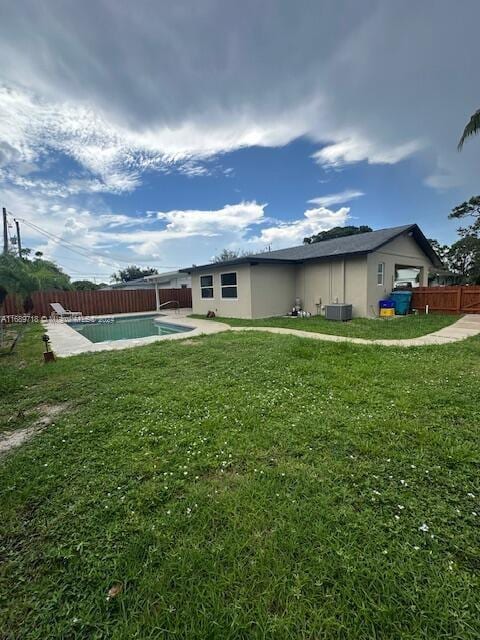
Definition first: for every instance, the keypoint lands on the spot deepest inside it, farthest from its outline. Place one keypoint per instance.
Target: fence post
(459, 299)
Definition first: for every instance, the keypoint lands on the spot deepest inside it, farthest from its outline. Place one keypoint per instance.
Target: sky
(158, 133)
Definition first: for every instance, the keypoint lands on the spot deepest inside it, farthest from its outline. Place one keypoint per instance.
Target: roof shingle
(361, 243)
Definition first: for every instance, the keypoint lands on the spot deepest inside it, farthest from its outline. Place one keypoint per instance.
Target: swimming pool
(115, 328)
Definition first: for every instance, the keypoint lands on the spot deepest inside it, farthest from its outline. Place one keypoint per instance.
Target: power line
(86, 253)
(78, 249)
(57, 240)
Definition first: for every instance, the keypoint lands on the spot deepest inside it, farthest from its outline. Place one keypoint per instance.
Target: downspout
(343, 281)
(330, 282)
(304, 284)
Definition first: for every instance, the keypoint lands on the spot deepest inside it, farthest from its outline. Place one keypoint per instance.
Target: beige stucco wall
(401, 251)
(335, 281)
(234, 308)
(273, 289)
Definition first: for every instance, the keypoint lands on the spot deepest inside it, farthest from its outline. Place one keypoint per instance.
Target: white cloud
(336, 198)
(358, 149)
(314, 221)
(443, 181)
(229, 224)
(237, 217)
(115, 155)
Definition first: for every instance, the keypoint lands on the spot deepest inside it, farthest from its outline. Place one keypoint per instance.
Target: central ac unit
(339, 311)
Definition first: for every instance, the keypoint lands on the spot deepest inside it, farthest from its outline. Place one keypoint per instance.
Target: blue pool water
(118, 328)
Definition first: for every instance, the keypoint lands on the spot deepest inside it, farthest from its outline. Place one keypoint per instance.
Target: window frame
(228, 286)
(381, 272)
(202, 287)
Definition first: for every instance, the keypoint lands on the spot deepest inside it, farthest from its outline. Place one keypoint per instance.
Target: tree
(16, 276)
(84, 285)
(227, 254)
(337, 232)
(48, 275)
(471, 128)
(464, 258)
(468, 209)
(442, 250)
(22, 277)
(233, 254)
(132, 272)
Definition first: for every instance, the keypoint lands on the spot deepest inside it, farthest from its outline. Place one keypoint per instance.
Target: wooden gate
(457, 299)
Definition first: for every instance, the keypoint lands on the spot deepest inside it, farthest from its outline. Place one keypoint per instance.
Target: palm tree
(472, 128)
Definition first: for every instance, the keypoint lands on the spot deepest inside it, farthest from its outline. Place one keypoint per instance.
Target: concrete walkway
(460, 330)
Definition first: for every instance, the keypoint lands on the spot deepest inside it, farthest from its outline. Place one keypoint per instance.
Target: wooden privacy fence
(99, 302)
(457, 299)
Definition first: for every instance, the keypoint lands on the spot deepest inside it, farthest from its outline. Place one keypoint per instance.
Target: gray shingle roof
(360, 243)
(349, 245)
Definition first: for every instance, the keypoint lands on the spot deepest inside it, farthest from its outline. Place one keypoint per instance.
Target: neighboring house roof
(137, 282)
(166, 276)
(148, 282)
(358, 244)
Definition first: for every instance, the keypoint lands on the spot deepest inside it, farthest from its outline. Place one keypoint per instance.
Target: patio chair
(59, 311)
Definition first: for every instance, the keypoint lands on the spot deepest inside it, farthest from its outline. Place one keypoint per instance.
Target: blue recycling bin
(386, 304)
(402, 300)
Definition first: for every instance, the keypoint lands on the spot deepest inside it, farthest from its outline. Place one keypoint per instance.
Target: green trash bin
(402, 300)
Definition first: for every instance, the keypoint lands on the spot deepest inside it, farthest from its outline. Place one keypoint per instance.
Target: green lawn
(374, 329)
(243, 486)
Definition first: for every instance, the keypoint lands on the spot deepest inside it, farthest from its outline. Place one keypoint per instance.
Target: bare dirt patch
(47, 414)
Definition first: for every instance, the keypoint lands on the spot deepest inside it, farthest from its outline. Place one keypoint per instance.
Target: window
(183, 286)
(229, 285)
(381, 274)
(206, 286)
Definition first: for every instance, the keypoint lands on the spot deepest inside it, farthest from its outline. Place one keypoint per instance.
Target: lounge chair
(63, 313)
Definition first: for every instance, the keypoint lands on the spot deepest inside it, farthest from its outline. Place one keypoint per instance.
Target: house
(170, 280)
(137, 283)
(444, 278)
(166, 280)
(359, 269)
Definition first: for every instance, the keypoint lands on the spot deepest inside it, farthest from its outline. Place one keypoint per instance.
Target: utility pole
(5, 231)
(19, 240)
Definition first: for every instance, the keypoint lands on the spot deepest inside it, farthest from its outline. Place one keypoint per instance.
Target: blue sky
(158, 135)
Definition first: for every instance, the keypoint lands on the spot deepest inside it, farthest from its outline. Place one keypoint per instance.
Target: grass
(374, 329)
(9, 335)
(243, 486)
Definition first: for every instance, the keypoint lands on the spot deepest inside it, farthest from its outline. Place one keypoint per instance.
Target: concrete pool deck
(65, 341)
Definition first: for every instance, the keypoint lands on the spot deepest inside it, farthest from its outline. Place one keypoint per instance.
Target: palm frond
(471, 129)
